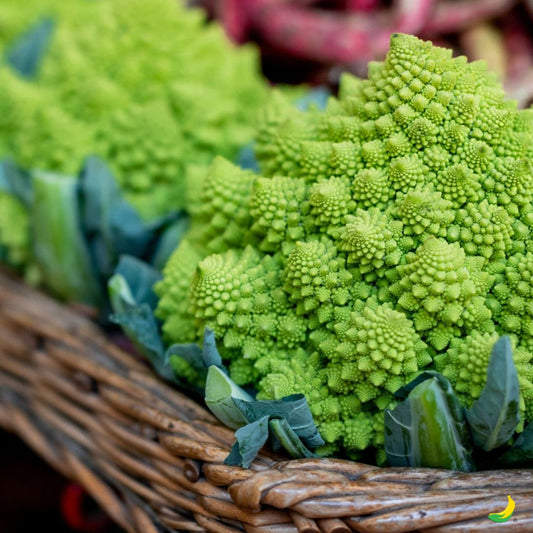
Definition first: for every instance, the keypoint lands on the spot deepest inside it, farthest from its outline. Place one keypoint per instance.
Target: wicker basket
(153, 458)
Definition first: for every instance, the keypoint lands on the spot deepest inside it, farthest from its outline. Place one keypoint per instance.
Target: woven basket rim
(153, 458)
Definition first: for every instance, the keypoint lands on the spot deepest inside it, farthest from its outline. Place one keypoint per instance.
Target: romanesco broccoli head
(148, 85)
(389, 234)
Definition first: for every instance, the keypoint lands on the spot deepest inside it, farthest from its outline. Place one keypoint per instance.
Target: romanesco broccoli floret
(391, 233)
(369, 241)
(174, 288)
(513, 292)
(222, 218)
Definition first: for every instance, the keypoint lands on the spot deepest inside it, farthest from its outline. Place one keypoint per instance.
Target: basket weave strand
(153, 458)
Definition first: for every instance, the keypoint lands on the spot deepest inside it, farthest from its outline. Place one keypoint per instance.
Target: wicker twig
(153, 458)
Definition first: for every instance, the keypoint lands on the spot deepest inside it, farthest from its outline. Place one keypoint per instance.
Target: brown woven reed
(153, 458)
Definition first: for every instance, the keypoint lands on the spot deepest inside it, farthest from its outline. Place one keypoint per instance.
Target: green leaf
(403, 392)
(294, 409)
(17, 182)
(59, 246)
(133, 301)
(520, 455)
(112, 226)
(495, 415)
(291, 423)
(26, 53)
(190, 362)
(210, 353)
(428, 429)
(140, 325)
(187, 364)
(140, 278)
(289, 439)
(250, 439)
(222, 396)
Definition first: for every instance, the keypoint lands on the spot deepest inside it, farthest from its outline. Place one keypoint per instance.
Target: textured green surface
(149, 86)
(391, 226)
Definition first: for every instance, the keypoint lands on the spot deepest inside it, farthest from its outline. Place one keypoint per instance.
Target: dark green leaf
(141, 278)
(288, 438)
(250, 439)
(140, 326)
(234, 407)
(292, 408)
(428, 429)
(133, 302)
(210, 353)
(130, 234)
(112, 227)
(520, 455)
(187, 364)
(495, 414)
(17, 182)
(26, 53)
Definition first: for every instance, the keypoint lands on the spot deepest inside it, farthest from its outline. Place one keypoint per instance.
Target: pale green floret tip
(389, 234)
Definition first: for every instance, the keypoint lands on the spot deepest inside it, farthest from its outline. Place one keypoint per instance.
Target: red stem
(334, 37)
(518, 46)
(450, 16)
(362, 5)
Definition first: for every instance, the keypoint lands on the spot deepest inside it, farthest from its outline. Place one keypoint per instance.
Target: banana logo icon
(505, 514)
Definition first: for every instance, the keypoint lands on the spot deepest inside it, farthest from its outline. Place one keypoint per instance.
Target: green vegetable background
(150, 87)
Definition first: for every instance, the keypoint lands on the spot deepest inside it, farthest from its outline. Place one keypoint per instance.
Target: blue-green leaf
(495, 415)
(225, 399)
(140, 278)
(288, 439)
(139, 324)
(210, 353)
(187, 364)
(292, 425)
(428, 429)
(250, 439)
(169, 240)
(520, 455)
(294, 409)
(26, 53)
(17, 182)
(131, 298)
(112, 227)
